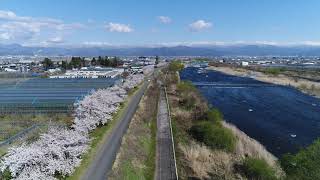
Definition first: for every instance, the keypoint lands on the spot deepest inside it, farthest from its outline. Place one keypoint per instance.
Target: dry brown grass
(247, 146)
(206, 163)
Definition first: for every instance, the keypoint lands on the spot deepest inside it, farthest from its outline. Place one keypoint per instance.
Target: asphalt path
(104, 159)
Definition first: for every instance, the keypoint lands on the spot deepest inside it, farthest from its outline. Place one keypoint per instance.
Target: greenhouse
(43, 95)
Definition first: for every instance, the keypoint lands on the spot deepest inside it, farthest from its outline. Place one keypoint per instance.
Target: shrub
(305, 164)
(188, 102)
(214, 115)
(175, 66)
(274, 71)
(188, 93)
(258, 169)
(214, 136)
(185, 86)
(6, 175)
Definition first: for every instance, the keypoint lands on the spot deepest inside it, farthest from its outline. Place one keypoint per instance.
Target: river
(281, 118)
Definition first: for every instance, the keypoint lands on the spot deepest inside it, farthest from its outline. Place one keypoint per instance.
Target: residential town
(76, 67)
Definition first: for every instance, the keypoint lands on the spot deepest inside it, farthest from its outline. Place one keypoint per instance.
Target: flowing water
(281, 118)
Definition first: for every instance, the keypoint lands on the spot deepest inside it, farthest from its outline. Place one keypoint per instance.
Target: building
(91, 73)
(244, 63)
(23, 69)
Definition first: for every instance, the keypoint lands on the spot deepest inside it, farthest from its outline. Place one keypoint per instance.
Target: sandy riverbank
(306, 86)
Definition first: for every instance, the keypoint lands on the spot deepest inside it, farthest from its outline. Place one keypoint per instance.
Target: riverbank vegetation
(254, 168)
(207, 146)
(136, 157)
(303, 165)
(213, 135)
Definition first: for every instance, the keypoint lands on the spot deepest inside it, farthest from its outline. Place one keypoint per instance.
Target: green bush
(185, 86)
(175, 66)
(188, 102)
(274, 71)
(185, 89)
(303, 165)
(214, 115)
(258, 169)
(6, 175)
(213, 135)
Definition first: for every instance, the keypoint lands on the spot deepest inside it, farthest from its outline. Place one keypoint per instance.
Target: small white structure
(86, 73)
(10, 70)
(244, 63)
(54, 70)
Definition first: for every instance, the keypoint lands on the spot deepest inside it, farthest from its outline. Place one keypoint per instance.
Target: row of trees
(78, 62)
(106, 61)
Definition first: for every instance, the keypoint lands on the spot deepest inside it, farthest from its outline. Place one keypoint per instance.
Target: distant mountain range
(216, 50)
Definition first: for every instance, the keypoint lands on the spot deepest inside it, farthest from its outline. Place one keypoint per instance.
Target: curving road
(103, 162)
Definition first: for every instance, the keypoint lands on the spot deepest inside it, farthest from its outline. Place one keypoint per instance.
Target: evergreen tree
(47, 63)
(93, 62)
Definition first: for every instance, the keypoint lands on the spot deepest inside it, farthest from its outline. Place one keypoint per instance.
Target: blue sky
(165, 22)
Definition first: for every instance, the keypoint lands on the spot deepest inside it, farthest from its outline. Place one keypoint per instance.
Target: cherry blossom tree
(57, 151)
(98, 108)
(132, 81)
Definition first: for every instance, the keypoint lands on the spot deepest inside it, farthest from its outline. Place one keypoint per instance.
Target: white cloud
(312, 43)
(7, 15)
(55, 40)
(236, 43)
(200, 25)
(5, 36)
(116, 27)
(164, 19)
(14, 28)
(96, 44)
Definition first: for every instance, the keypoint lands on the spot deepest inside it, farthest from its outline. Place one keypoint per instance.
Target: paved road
(166, 169)
(104, 160)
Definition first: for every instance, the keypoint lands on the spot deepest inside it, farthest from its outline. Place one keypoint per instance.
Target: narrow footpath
(166, 166)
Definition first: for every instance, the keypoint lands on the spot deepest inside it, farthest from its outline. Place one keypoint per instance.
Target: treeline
(79, 62)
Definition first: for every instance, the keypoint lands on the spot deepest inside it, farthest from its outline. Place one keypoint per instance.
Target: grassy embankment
(304, 80)
(98, 137)
(208, 147)
(136, 158)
